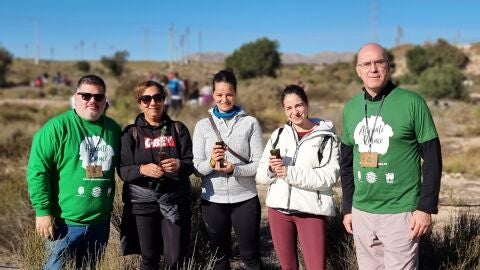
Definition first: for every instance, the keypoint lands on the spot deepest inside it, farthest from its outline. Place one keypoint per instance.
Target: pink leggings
(310, 231)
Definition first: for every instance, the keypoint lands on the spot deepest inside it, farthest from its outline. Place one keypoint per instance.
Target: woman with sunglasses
(227, 149)
(156, 161)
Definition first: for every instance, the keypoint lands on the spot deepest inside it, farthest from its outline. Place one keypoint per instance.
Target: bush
(5, 61)
(455, 246)
(443, 82)
(441, 53)
(254, 59)
(115, 63)
(83, 66)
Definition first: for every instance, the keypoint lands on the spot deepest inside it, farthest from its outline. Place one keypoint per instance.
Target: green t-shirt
(56, 173)
(404, 122)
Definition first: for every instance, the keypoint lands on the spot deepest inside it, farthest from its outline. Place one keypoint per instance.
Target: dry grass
(261, 98)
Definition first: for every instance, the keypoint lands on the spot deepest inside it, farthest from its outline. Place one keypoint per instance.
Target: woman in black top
(156, 161)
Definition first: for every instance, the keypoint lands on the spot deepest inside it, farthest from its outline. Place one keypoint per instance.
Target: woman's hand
(281, 171)
(229, 167)
(170, 165)
(151, 170)
(274, 163)
(218, 153)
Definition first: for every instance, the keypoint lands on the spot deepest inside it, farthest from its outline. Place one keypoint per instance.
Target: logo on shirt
(95, 151)
(96, 192)
(160, 141)
(389, 177)
(371, 177)
(380, 138)
(80, 191)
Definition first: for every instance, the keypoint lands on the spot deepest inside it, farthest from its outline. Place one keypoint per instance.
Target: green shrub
(441, 53)
(83, 66)
(5, 60)
(455, 246)
(445, 81)
(254, 59)
(115, 63)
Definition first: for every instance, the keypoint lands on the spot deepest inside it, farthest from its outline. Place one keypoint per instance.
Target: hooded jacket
(307, 188)
(244, 135)
(143, 148)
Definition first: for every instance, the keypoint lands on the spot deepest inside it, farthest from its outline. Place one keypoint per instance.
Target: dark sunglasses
(147, 99)
(88, 96)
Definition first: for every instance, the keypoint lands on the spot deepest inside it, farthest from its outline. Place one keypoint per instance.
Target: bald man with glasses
(388, 193)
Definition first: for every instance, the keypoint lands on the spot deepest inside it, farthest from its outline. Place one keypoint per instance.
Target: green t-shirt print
(404, 121)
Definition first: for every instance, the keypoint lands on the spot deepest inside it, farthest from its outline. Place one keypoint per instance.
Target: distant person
(164, 82)
(176, 88)
(71, 177)
(156, 162)
(227, 147)
(206, 94)
(194, 94)
(300, 176)
(388, 193)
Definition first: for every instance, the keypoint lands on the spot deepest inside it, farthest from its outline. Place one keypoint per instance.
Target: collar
(387, 89)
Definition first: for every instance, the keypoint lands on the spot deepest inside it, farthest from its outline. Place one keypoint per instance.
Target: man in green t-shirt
(387, 131)
(71, 177)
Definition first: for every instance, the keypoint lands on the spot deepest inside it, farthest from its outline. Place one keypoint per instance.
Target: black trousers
(159, 236)
(245, 219)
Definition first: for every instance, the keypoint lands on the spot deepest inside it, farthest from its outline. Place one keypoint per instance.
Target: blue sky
(89, 29)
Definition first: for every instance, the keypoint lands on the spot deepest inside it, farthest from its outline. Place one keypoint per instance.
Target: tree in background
(438, 68)
(421, 58)
(254, 59)
(83, 66)
(116, 63)
(442, 81)
(5, 60)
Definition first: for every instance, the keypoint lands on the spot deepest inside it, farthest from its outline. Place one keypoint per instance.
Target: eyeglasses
(381, 63)
(147, 98)
(88, 96)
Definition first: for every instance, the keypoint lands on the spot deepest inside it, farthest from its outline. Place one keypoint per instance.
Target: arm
(255, 147)
(320, 178)
(39, 173)
(348, 186)
(128, 170)
(346, 176)
(431, 154)
(201, 159)
(264, 175)
(184, 162)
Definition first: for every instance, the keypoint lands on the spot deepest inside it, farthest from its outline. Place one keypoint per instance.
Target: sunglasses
(147, 99)
(88, 96)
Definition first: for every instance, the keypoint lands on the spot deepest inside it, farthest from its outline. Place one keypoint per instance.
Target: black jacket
(169, 195)
(138, 147)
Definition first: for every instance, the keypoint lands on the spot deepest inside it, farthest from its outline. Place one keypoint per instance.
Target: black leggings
(157, 234)
(245, 218)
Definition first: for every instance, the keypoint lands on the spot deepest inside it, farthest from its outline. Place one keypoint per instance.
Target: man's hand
(45, 226)
(347, 222)
(421, 224)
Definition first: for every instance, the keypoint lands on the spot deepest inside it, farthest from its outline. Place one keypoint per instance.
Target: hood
(142, 123)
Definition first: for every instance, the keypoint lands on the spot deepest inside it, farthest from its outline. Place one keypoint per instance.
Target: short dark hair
(141, 87)
(92, 80)
(227, 76)
(297, 90)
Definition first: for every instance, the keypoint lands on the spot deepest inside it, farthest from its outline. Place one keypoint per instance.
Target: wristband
(212, 163)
